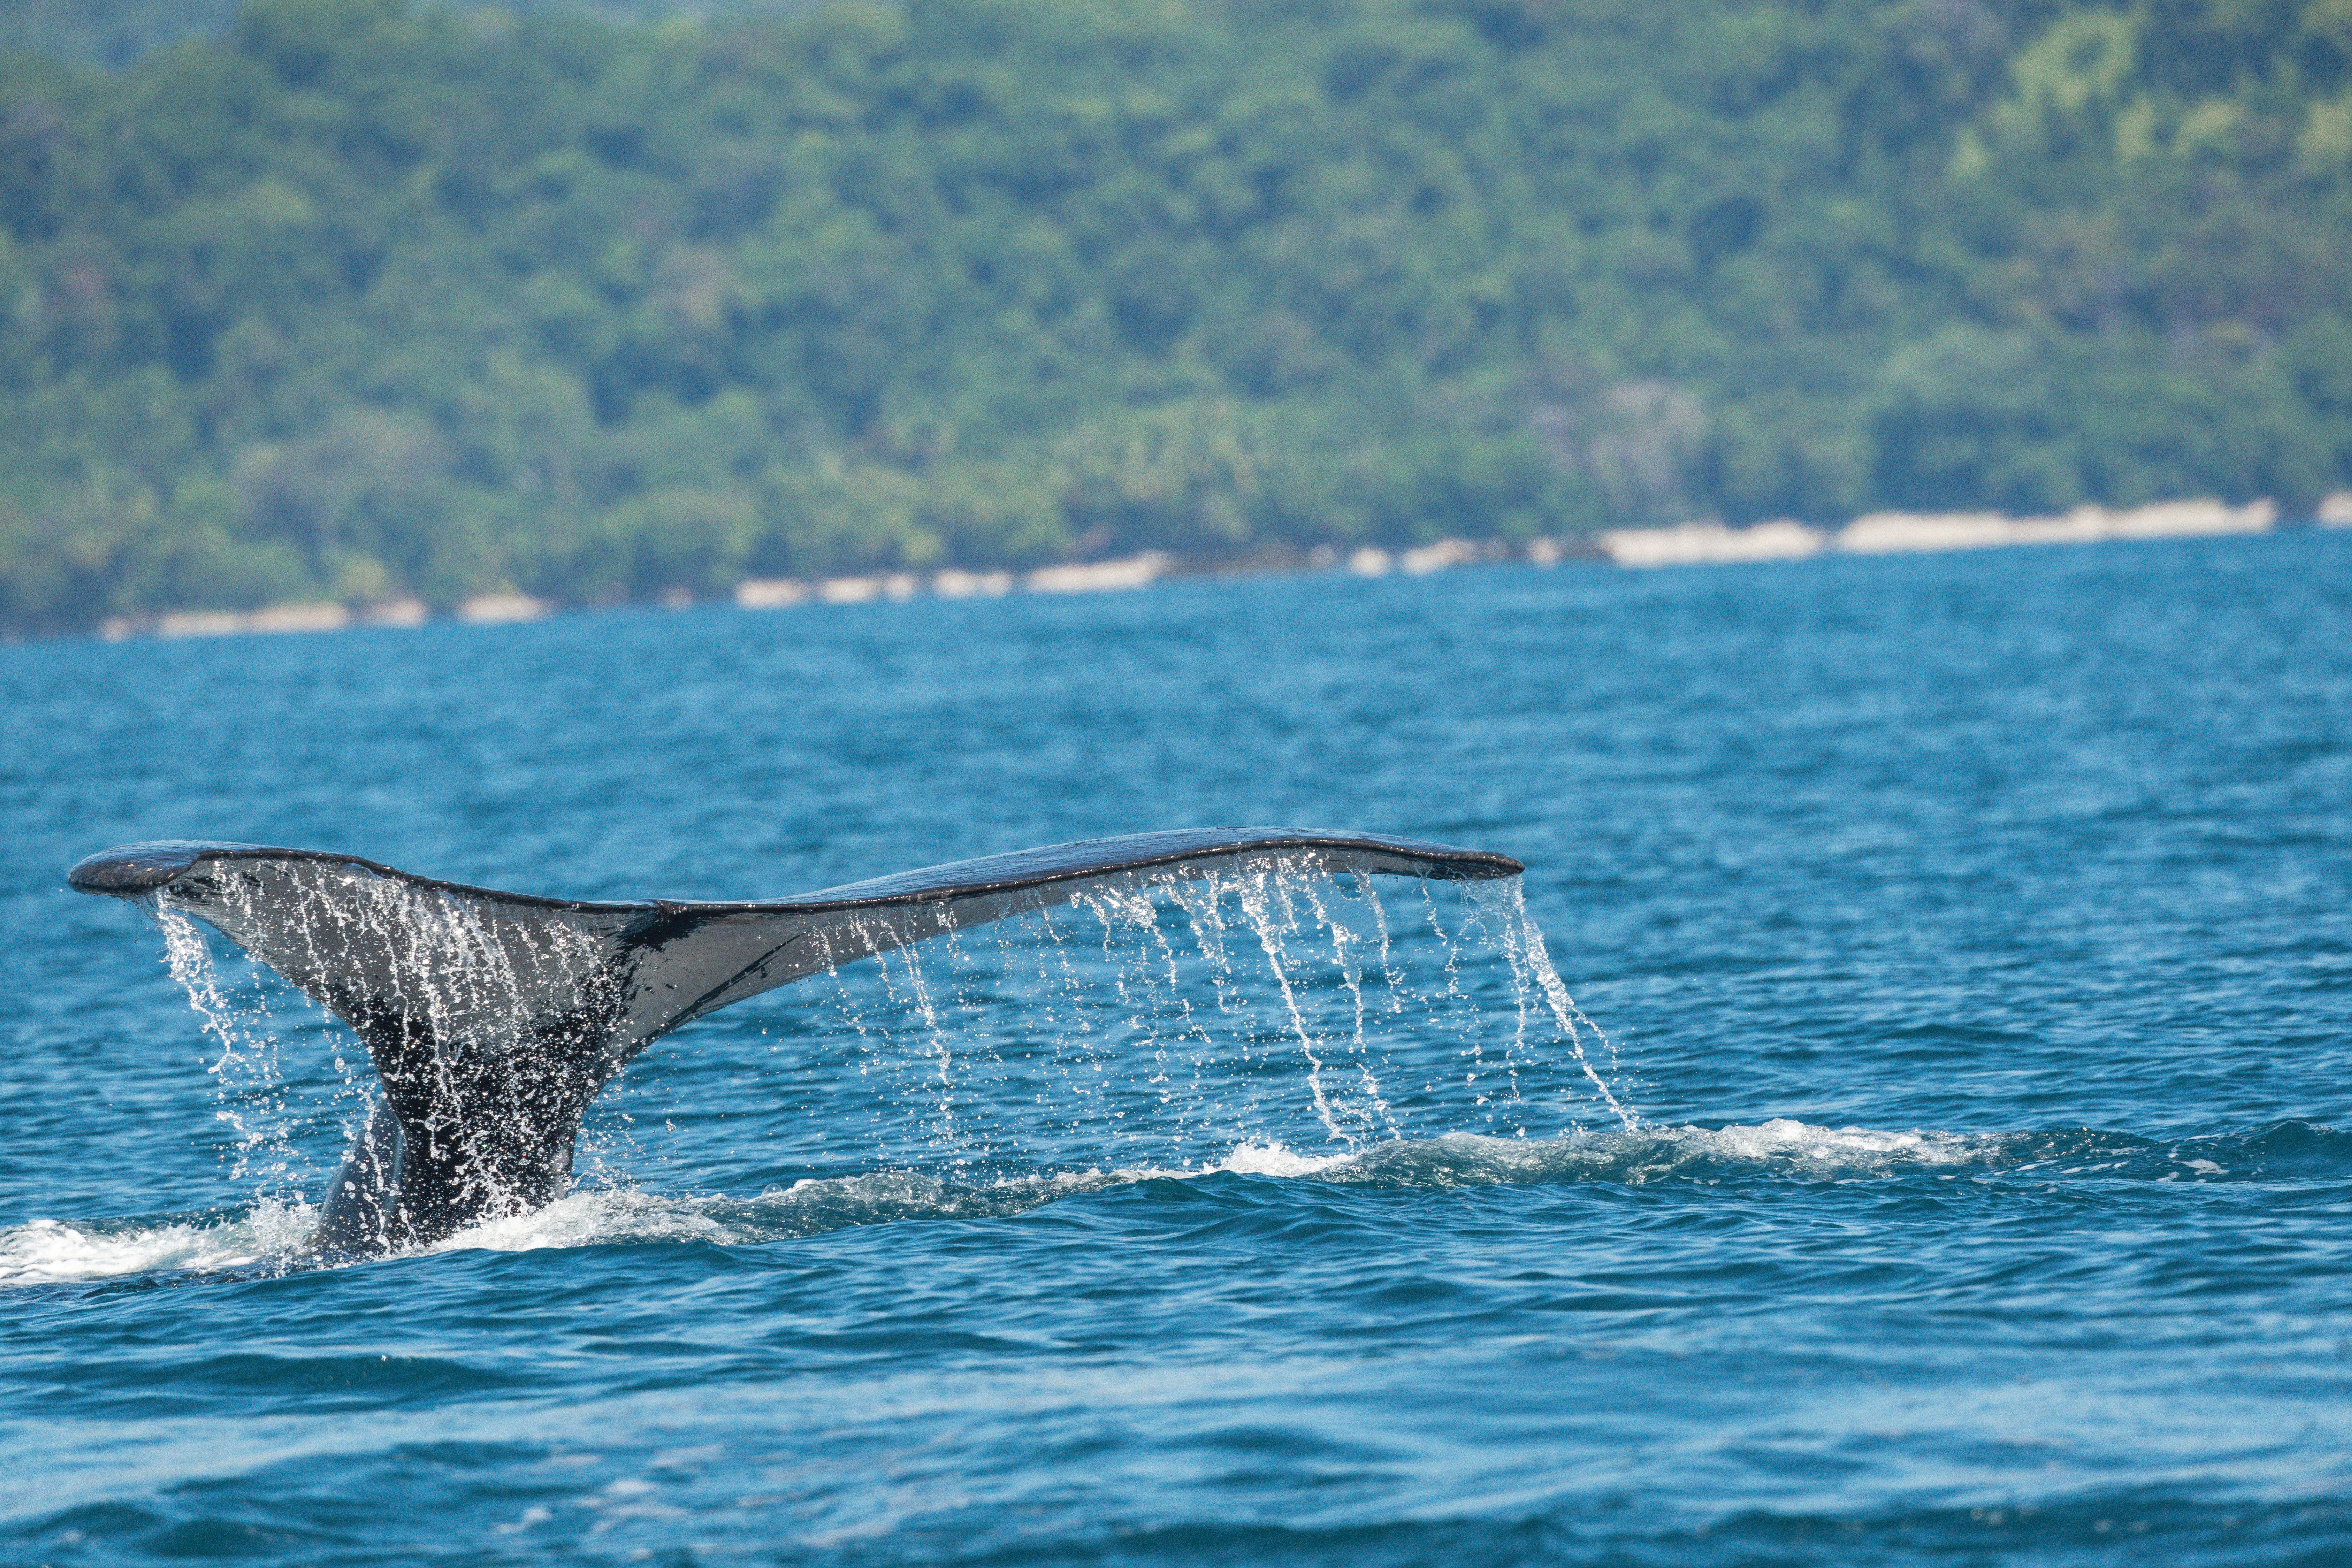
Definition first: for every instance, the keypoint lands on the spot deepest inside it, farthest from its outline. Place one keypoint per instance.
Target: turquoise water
(1969, 935)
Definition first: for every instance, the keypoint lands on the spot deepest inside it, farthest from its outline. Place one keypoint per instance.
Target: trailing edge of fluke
(494, 1018)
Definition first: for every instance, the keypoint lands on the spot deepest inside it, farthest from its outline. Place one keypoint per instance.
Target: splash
(268, 1238)
(468, 974)
(1503, 905)
(1268, 1003)
(250, 1090)
(1154, 1020)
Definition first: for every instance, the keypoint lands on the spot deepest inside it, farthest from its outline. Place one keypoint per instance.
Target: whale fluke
(493, 1018)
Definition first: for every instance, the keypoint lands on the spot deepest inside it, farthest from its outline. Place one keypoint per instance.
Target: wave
(272, 1236)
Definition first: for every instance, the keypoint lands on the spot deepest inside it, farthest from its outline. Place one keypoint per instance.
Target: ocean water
(1956, 1169)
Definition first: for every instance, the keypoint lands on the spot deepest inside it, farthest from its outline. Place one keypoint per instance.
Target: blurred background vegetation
(347, 298)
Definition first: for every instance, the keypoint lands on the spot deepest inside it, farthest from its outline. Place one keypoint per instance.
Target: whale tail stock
(493, 1018)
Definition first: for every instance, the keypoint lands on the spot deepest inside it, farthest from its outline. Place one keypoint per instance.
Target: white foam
(809, 1206)
(1274, 1160)
(1860, 1147)
(1649, 1153)
(589, 1218)
(48, 1251)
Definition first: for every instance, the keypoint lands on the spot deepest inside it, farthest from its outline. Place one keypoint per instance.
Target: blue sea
(1944, 1156)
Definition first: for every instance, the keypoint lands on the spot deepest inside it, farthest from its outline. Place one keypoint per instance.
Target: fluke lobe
(494, 1018)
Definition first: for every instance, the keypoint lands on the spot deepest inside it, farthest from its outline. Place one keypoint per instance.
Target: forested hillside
(358, 299)
(116, 32)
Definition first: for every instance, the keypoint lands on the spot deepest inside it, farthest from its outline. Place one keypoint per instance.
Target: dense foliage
(116, 32)
(360, 300)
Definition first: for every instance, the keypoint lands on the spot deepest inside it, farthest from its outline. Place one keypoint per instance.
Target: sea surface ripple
(1970, 935)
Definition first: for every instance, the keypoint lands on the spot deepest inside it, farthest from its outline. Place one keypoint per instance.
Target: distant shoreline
(1687, 544)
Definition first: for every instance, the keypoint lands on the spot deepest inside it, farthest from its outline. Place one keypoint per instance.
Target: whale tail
(493, 1018)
